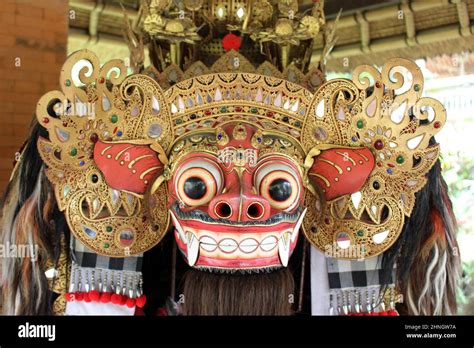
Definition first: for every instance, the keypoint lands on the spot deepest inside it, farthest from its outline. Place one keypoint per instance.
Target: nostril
(223, 210)
(255, 210)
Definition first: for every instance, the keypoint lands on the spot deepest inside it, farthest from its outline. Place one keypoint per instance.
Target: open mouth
(231, 245)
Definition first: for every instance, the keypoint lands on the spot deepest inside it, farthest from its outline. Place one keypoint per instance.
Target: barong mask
(239, 163)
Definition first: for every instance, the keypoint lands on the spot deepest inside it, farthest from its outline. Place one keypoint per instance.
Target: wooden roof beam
(94, 16)
(109, 9)
(364, 29)
(463, 15)
(386, 12)
(409, 17)
(426, 36)
(411, 38)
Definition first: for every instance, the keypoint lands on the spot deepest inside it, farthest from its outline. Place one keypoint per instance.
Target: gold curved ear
(129, 118)
(327, 119)
(383, 118)
(152, 120)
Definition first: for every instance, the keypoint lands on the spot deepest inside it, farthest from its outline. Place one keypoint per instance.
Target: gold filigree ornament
(383, 112)
(103, 104)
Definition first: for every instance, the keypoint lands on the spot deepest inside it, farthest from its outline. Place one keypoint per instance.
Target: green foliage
(458, 171)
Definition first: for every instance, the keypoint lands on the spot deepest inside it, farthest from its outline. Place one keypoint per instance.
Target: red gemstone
(270, 114)
(326, 221)
(437, 124)
(45, 120)
(208, 113)
(379, 164)
(94, 137)
(378, 84)
(231, 42)
(101, 80)
(390, 165)
(238, 109)
(378, 144)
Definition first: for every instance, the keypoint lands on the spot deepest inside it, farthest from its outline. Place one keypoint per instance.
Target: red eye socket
(197, 182)
(278, 184)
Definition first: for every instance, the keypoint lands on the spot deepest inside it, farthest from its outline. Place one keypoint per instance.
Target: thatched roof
(412, 29)
(369, 31)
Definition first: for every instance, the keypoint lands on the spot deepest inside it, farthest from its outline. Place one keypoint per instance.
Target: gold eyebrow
(132, 163)
(123, 151)
(326, 181)
(339, 169)
(104, 150)
(362, 155)
(142, 175)
(346, 155)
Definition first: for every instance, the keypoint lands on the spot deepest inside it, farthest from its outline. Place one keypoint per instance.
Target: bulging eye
(197, 182)
(280, 190)
(195, 187)
(279, 185)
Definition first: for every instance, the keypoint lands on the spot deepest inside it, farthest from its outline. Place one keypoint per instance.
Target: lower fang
(298, 225)
(284, 248)
(193, 249)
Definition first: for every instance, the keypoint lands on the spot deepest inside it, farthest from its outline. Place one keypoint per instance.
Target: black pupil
(195, 188)
(280, 190)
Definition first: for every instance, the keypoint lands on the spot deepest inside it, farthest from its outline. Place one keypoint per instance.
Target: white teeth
(228, 245)
(284, 248)
(178, 227)
(296, 230)
(268, 243)
(208, 243)
(193, 249)
(248, 245)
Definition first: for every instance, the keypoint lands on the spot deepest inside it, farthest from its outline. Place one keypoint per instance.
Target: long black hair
(426, 254)
(31, 221)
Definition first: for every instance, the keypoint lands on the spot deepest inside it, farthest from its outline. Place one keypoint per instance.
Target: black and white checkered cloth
(355, 285)
(349, 274)
(84, 257)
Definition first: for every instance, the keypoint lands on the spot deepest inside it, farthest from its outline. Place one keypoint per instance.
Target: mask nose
(236, 207)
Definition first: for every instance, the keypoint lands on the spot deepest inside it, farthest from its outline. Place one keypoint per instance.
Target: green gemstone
(179, 121)
(73, 152)
(416, 87)
(400, 159)
(106, 245)
(297, 124)
(114, 118)
(68, 82)
(223, 109)
(360, 233)
(360, 124)
(254, 110)
(109, 228)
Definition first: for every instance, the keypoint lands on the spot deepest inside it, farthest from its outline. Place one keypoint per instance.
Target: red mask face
(238, 209)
